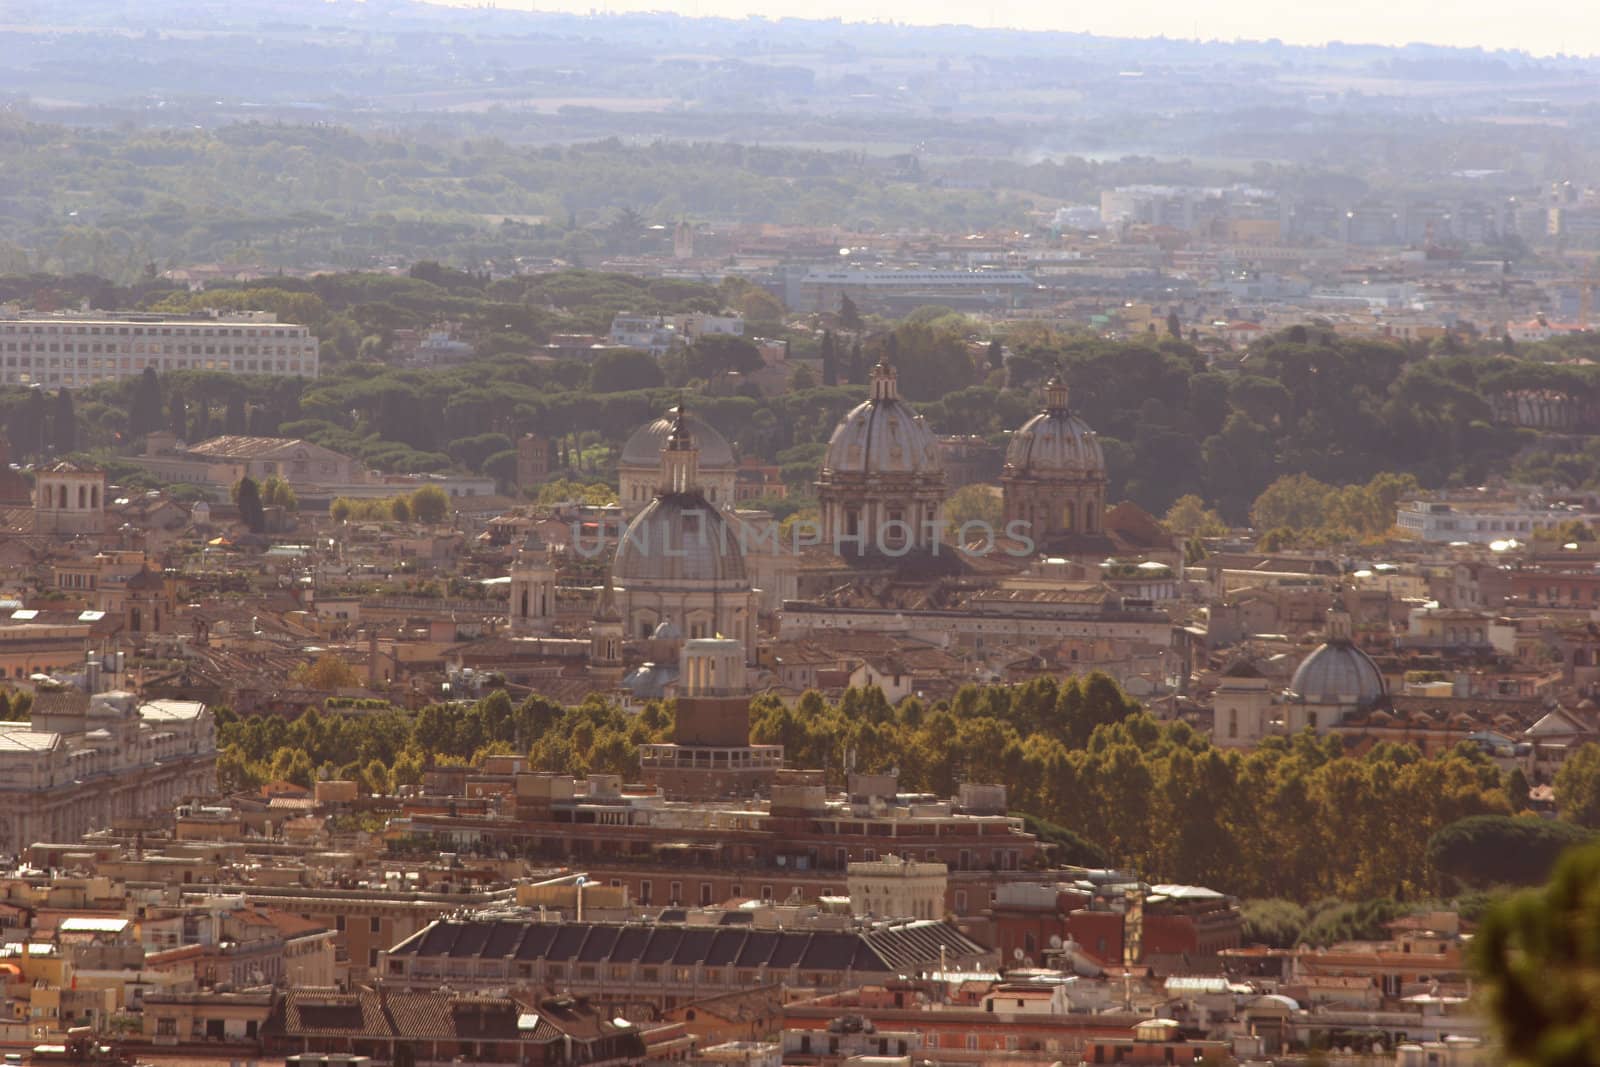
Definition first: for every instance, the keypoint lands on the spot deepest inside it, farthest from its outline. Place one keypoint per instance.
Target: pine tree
(1174, 325)
(858, 369)
(997, 355)
(65, 428)
(830, 360)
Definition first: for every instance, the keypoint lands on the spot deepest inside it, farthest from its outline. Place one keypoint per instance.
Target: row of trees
(429, 504)
(1295, 819)
(1325, 411)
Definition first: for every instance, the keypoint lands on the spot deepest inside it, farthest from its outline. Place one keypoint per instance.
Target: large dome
(680, 538)
(882, 436)
(644, 447)
(1338, 673)
(1056, 443)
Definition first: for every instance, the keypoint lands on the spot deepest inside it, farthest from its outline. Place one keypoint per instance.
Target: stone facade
(83, 762)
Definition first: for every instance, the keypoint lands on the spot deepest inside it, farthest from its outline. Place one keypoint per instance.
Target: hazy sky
(1539, 26)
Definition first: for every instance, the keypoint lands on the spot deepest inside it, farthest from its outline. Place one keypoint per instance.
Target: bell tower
(533, 589)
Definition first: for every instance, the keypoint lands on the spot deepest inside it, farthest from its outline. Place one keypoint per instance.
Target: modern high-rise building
(78, 349)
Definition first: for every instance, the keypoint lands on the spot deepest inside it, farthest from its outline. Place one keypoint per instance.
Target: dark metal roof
(900, 948)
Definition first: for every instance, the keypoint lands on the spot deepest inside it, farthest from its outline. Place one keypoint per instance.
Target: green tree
(1190, 517)
(849, 314)
(144, 413)
(1537, 953)
(430, 504)
(247, 495)
(1577, 786)
(327, 673)
(975, 503)
(64, 425)
(830, 359)
(178, 416)
(277, 493)
(624, 370)
(1296, 501)
(235, 420)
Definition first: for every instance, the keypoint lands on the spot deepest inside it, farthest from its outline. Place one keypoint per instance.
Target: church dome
(644, 447)
(1338, 673)
(882, 436)
(680, 540)
(1056, 443)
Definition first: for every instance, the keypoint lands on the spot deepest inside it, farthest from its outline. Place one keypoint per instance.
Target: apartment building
(74, 350)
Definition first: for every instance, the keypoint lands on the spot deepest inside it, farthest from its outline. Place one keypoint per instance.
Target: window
(166, 1028)
(375, 925)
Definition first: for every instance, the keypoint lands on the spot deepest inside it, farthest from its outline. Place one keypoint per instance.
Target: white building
(79, 349)
(83, 761)
(1444, 522)
(650, 333)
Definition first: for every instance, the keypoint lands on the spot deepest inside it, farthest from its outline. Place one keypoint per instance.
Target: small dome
(1056, 443)
(1338, 673)
(882, 436)
(644, 447)
(679, 538)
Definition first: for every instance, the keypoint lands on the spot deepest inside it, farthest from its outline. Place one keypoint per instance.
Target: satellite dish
(1055, 940)
(1016, 954)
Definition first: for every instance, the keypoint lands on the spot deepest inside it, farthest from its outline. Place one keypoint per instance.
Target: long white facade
(77, 350)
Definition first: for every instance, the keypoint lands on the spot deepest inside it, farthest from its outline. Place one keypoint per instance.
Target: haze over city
(868, 536)
(1543, 27)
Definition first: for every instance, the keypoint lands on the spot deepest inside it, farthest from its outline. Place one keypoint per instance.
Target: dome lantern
(680, 458)
(1055, 397)
(885, 387)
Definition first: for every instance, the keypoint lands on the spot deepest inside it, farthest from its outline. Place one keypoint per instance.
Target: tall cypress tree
(830, 359)
(858, 369)
(65, 428)
(144, 414)
(178, 416)
(234, 421)
(248, 497)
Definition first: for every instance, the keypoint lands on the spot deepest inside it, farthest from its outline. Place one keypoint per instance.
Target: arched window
(1069, 515)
